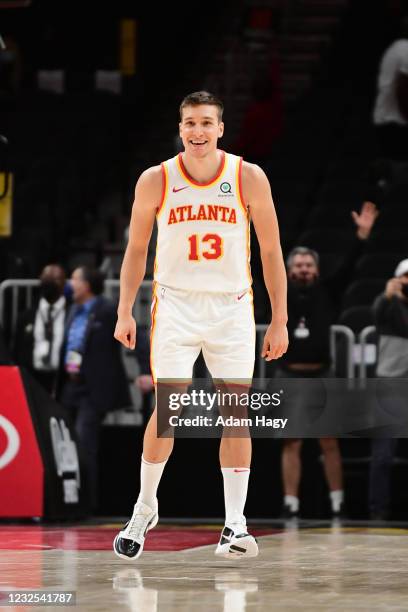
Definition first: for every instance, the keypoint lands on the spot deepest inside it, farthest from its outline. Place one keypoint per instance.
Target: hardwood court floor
(327, 568)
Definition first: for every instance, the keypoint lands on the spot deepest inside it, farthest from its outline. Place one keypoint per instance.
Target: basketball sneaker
(129, 542)
(236, 543)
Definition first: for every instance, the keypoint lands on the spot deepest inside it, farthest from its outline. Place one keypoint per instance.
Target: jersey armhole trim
(239, 187)
(247, 215)
(165, 183)
(152, 330)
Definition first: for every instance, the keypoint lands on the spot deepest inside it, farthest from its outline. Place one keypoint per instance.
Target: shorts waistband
(159, 286)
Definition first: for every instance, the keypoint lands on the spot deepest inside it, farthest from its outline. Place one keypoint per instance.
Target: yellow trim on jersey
(248, 249)
(254, 325)
(165, 190)
(238, 187)
(195, 185)
(152, 330)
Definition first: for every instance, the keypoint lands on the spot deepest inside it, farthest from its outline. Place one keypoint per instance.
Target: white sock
(150, 474)
(292, 502)
(235, 494)
(337, 498)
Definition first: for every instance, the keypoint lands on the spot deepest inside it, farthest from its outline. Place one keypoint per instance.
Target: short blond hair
(202, 97)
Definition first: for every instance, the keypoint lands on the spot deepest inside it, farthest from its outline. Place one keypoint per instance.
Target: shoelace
(137, 525)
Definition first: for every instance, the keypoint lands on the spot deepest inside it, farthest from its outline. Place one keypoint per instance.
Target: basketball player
(203, 200)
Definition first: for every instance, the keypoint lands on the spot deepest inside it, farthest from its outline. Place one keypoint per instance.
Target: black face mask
(50, 290)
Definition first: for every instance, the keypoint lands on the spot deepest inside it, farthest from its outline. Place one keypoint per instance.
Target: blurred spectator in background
(391, 105)
(311, 311)
(263, 121)
(10, 66)
(144, 380)
(93, 378)
(40, 330)
(391, 319)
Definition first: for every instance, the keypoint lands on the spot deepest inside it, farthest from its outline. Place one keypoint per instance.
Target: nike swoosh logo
(241, 470)
(175, 190)
(241, 296)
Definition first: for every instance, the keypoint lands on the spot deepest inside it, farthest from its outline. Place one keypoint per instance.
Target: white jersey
(203, 239)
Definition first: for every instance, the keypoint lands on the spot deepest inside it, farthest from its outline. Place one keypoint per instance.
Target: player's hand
(125, 331)
(275, 342)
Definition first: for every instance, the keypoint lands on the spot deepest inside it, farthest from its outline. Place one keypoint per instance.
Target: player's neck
(203, 169)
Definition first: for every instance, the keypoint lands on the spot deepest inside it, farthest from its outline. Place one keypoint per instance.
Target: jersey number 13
(210, 246)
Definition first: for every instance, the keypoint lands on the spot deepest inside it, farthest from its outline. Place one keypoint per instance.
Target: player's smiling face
(200, 129)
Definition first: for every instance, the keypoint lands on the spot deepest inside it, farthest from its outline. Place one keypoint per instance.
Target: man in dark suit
(40, 330)
(93, 379)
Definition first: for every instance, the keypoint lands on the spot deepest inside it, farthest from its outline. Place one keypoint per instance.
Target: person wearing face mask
(311, 311)
(92, 380)
(40, 330)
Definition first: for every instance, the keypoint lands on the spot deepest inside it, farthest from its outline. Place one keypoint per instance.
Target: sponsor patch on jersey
(226, 191)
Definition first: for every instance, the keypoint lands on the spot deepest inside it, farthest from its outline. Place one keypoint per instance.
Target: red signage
(21, 467)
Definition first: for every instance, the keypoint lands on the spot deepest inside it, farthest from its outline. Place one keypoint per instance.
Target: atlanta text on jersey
(202, 212)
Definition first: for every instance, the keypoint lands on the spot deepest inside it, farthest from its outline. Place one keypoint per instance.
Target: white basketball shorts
(222, 325)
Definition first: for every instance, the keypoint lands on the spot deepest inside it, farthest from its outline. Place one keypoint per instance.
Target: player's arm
(257, 195)
(148, 194)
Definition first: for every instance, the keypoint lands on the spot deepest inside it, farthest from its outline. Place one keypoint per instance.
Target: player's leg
(156, 451)
(235, 461)
(129, 542)
(235, 455)
(173, 352)
(158, 439)
(334, 473)
(229, 352)
(235, 451)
